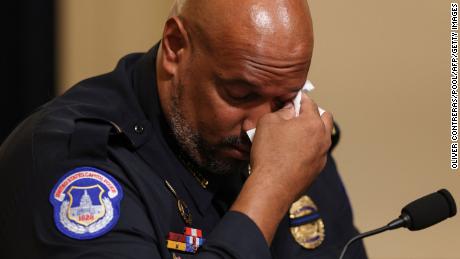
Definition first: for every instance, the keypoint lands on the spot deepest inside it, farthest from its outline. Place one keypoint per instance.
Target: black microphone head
(430, 209)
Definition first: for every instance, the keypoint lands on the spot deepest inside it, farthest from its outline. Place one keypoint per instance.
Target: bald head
(268, 23)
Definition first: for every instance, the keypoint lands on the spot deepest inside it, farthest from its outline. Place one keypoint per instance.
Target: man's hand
(287, 155)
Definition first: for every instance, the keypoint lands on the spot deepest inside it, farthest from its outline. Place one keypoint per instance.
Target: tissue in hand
(308, 86)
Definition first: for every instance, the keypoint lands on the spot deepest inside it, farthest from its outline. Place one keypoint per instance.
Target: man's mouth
(243, 148)
(237, 152)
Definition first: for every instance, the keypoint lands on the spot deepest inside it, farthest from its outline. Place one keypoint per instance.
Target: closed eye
(244, 98)
(241, 92)
(237, 91)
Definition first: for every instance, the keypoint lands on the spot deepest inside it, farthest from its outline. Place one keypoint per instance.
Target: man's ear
(174, 45)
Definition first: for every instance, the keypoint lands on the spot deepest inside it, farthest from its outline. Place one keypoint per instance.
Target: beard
(195, 147)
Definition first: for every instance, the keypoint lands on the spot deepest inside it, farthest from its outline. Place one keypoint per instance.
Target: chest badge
(86, 203)
(306, 224)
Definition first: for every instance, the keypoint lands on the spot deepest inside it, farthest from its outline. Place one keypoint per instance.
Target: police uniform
(96, 173)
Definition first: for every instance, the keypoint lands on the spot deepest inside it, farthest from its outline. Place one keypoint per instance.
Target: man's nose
(255, 113)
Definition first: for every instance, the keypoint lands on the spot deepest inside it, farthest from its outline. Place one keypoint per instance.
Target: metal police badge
(86, 203)
(306, 224)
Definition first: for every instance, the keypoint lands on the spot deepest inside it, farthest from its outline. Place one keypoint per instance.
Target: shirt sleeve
(236, 236)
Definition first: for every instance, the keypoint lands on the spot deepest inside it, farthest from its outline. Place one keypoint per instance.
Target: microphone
(419, 214)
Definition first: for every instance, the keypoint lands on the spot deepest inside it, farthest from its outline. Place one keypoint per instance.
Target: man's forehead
(265, 51)
(281, 85)
(255, 63)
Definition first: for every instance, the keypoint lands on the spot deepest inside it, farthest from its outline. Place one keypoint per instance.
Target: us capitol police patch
(86, 203)
(306, 224)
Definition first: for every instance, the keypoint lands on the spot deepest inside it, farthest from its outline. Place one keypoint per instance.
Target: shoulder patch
(86, 203)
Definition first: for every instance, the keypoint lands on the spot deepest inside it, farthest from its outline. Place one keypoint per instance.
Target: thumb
(287, 112)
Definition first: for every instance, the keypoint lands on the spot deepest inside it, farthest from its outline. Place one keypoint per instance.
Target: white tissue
(251, 133)
(308, 86)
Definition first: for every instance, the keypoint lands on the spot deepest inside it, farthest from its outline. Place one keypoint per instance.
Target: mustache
(242, 140)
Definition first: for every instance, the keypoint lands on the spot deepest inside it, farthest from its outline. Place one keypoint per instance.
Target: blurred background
(381, 67)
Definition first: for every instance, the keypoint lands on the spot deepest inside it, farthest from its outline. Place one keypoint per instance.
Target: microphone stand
(414, 215)
(402, 221)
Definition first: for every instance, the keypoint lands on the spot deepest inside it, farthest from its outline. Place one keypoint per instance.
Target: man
(151, 160)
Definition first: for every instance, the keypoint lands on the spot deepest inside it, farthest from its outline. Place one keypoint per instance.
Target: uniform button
(138, 129)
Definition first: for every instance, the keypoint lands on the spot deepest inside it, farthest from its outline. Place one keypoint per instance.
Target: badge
(306, 224)
(86, 203)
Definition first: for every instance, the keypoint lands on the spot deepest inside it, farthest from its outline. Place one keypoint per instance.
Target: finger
(287, 112)
(328, 122)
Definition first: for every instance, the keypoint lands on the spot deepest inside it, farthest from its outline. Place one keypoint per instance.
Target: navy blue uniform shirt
(84, 177)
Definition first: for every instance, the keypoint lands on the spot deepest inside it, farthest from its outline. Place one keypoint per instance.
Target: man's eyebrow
(245, 83)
